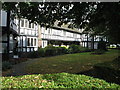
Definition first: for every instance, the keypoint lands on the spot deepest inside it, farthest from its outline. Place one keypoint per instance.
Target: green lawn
(70, 63)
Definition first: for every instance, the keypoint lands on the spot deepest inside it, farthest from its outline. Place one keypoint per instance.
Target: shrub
(102, 45)
(41, 52)
(6, 65)
(77, 48)
(58, 50)
(83, 49)
(59, 80)
(64, 50)
(99, 51)
(73, 48)
(34, 54)
(61, 50)
(50, 50)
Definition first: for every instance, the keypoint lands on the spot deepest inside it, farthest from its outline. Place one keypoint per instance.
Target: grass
(70, 63)
(61, 67)
(59, 80)
(115, 64)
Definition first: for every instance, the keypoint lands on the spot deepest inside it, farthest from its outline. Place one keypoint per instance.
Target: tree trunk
(8, 33)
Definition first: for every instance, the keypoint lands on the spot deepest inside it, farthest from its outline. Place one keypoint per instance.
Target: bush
(50, 50)
(6, 65)
(102, 45)
(99, 51)
(84, 49)
(77, 48)
(73, 48)
(61, 50)
(34, 54)
(64, 50)
(41, 52)
(59, 80)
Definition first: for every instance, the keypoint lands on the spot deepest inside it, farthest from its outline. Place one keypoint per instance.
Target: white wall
(28, 32)
(55, 34)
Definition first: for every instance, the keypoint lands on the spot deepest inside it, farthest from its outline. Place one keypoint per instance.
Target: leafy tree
(100, 18)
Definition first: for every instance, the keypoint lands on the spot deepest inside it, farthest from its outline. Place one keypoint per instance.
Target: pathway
(19, 69)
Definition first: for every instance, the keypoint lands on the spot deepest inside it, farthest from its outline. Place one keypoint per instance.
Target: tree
(106, 21)
(98, 17)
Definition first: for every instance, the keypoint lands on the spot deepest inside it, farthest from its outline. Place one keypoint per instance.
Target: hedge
(59, 80)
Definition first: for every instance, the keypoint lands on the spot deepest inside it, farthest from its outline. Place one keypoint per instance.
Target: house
(32, 36)
(28, 36)
(23, 36)
(64, 36)
(59, 36)
(9, 35)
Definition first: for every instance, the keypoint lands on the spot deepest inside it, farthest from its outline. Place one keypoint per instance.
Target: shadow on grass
(106, 72)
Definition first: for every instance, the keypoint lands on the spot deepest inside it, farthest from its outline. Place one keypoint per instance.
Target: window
(34, 42)
(49, 31)
(22, 23)
(25, 23)
(29, 25)
(31, 41)
(32, 25)
(28, 41)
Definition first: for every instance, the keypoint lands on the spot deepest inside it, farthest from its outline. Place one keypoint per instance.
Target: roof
(65, 27)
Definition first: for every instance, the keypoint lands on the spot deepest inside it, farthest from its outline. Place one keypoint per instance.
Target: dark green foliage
(99, 14)
(59, 80)
(50, 50)
(34, 54)
(61, 50)
(73, 48)
(77, 48)
(110, 69)
(118, 60)
(102, 45)
(83, 49)
(53, 51)
(6, 65)
(98, 52)
(41, 52)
